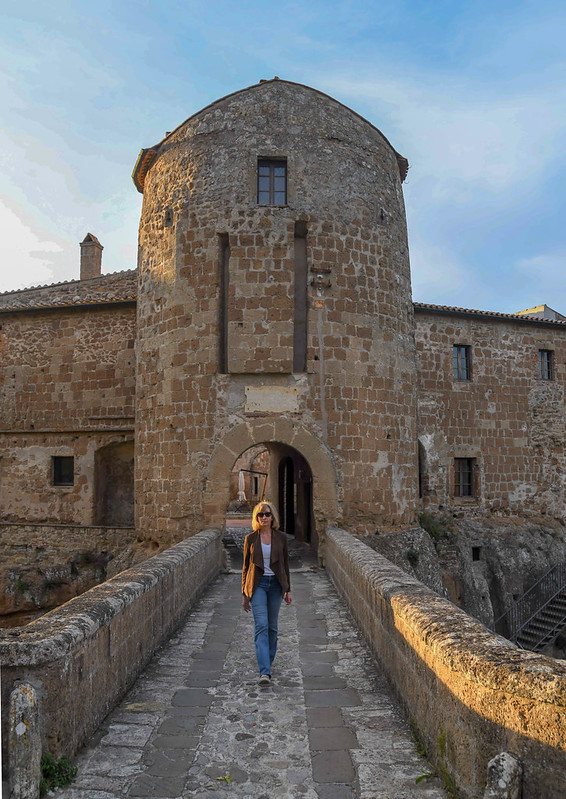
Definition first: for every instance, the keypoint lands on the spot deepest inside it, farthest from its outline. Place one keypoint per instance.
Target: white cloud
(459, 137)
(26, 257)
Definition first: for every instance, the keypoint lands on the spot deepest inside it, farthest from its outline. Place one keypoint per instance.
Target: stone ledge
(82, 657)
(57, 632)
(469, 693)
(458, 640)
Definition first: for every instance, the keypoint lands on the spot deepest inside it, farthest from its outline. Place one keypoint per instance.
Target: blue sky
(473, 94)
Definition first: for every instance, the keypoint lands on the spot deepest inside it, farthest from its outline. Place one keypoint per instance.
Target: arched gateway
(325, 504)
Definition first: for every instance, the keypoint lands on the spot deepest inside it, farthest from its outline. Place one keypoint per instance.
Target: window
(464, 477)
(462, 362)
(271, 182)
(546, 364)
(63, 470)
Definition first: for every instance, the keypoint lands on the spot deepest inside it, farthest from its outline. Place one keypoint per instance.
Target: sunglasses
(267, 513)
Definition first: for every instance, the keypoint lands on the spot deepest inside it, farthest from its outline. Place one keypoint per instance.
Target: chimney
(91, 257)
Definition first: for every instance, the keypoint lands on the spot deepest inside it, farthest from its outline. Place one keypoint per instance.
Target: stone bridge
(150, 680)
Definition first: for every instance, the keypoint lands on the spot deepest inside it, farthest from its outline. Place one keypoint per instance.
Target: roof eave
(143, 164)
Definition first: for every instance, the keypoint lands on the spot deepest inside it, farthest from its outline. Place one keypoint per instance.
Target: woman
(265, 582)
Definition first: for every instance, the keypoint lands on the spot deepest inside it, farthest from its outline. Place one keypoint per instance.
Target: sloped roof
(449, 310)
(109, 289)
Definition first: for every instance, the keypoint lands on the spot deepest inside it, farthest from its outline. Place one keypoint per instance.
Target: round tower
(274, 308)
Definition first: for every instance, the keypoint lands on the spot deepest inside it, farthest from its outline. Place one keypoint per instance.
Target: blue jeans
(265, 602)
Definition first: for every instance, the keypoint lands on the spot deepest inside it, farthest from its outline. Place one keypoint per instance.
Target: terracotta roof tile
(452, 310)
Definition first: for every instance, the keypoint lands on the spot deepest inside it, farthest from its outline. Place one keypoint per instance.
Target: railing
(538, 641)
(526, 608)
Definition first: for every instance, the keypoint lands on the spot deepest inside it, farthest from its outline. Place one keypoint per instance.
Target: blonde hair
(265, 505)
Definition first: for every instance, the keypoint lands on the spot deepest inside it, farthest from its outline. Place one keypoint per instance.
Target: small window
(546, 364)
(462, 362)
(271, 182)
(63, 470)
(464, 477)
(476, 553)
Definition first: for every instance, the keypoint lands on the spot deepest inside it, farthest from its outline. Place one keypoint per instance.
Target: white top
(266, 551)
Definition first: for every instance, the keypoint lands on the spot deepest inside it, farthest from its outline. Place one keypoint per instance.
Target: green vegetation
(438, 527)
(21, 586)
(418, 740)
(413, 557)
(447, 778)
(55, 773)
(429, 775)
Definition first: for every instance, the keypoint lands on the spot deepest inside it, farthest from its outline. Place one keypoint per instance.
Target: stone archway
(262, 431)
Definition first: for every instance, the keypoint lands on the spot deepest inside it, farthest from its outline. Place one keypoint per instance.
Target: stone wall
(67, 382)
(469, 693)
(506, 417)
(83, 657)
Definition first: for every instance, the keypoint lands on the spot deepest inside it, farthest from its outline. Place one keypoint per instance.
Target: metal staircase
(538, 617)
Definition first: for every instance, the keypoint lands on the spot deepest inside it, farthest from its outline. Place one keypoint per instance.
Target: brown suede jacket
(252, 571)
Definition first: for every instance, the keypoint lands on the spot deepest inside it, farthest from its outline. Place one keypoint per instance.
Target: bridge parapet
(469, 693)
(82, 657)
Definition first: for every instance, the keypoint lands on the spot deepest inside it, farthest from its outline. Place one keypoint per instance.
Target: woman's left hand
(288, 598)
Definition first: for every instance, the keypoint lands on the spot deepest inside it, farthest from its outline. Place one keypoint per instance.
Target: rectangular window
(63, 470)
(462, 362)
(546, 364)
(271, 182)
(464, 477)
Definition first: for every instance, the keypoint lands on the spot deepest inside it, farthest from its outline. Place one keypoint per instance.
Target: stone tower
(274, 308)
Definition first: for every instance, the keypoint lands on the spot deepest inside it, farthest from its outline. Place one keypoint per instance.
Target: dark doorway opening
(280, 474)
(295, 495)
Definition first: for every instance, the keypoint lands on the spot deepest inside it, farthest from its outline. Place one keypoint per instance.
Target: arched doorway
(283, 476)
(281, 438)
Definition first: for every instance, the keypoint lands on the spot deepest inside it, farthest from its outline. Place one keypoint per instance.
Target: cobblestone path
(196, 723)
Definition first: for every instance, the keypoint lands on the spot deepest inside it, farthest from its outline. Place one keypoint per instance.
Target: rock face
(413, 551)
(44, 566)
(482, 565)
(490, 563)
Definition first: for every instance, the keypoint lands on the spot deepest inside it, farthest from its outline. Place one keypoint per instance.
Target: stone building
(271, 307)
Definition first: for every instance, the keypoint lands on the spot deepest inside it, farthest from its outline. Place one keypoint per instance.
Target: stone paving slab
(197, 724)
